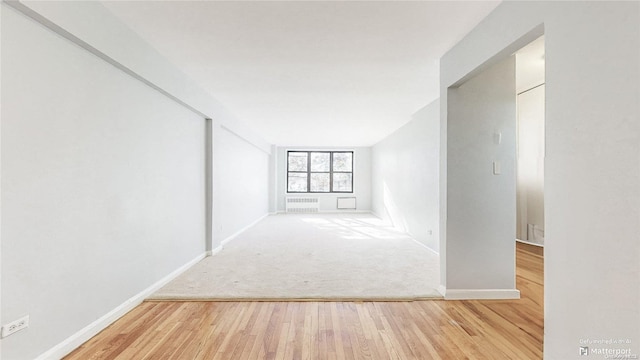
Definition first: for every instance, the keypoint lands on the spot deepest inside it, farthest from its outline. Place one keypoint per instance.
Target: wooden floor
(435, 329)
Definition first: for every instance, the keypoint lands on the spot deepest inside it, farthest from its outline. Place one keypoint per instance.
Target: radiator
(302, 204)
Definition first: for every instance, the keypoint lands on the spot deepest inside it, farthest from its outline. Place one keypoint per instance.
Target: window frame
(308, 172)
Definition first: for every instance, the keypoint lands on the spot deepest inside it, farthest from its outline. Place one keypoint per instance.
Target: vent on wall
(346, 203)
(302, 204)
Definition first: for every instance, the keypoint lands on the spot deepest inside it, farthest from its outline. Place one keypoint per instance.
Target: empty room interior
(319, 180)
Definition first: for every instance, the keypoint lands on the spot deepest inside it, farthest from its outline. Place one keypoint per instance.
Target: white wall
(404, 176)
(361, 179)
(94, 24)
(592, 165)
(530, 174)
(241, 181)
(103, 172)
(273, 180)
(1, 264)
(530, 65)
(530, 144)
(481, 221)
(103, 190)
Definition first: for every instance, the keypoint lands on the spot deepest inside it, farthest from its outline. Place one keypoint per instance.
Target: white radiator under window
(302, 204)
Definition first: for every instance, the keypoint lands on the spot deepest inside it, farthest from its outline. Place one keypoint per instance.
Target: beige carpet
(312, 257)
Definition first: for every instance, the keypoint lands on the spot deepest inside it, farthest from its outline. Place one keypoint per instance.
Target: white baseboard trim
(479, 294)
(442, 290)
(219, 248)
(424, 246)
(214, 251)
(530, 243)
(411, 235)
(229, 238)
(74, 341)
(345, 211)
(348, 211)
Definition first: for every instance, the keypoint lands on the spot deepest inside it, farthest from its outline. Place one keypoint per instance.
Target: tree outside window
(320, 171)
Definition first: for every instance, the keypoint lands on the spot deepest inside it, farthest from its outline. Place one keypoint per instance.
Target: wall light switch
(497, 138)
(496, 168)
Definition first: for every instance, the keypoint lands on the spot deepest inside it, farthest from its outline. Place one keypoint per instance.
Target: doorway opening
(482, 149)
(530, 146)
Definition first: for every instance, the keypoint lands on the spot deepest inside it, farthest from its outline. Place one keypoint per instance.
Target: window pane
(342, 162)
(297, 161)
(320, 161)
(320, 182)
(297, 182)
(342, 182)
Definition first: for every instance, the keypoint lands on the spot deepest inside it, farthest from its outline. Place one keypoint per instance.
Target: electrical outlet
(15, 326)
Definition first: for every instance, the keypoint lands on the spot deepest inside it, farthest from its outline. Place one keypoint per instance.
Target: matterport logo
(608, 353)
(590, 347)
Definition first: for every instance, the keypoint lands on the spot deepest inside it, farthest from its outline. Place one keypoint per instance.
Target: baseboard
(345, 211)
(348, 211)
(214, 251)
(423, 245)
(411, 235)
(480, 294)
(529, 243)
(442, 290)
(219, 248)
(229, 238)
(89, 331)
(532, 248)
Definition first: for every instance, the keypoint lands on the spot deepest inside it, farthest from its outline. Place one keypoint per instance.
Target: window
(319, 171)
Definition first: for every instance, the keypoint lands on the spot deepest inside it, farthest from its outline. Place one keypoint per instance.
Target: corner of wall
(74, 341)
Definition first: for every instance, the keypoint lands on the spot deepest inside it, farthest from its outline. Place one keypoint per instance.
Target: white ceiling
(328, 73)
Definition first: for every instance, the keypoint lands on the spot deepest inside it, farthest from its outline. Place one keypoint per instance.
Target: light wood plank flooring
(438, 329)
